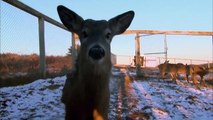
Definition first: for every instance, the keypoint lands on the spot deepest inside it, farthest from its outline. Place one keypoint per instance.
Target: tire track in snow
(131, 97)
(149, 103)
(124, 100)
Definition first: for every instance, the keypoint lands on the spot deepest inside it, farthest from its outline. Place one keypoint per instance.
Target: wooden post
(212, 48)
(42, 60)
(165, 47)
(137, 54)
(74, 54)
(145, 60)
(137, 49)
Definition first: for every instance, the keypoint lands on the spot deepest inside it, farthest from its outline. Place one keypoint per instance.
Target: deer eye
(108, 35)
(84, 34)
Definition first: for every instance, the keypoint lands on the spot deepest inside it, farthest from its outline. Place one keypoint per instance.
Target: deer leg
(187, 77)
(174, 77)
(202, 81)
(161, 75)
(194, 80)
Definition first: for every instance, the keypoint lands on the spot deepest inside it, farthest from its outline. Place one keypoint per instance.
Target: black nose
(96, 52)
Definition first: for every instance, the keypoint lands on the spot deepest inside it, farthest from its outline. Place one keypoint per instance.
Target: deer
(189, 70)
(86, 90)
(173, 70)
(200, 70)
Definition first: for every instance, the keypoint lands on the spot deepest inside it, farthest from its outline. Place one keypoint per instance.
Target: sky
(19, 30)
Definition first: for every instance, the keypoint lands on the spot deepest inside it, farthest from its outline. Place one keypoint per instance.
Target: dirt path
(124, 99)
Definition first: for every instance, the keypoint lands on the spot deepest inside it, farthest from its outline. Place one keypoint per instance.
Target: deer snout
(96, 52)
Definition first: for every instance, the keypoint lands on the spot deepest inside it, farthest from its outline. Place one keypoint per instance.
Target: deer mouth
(96, 53)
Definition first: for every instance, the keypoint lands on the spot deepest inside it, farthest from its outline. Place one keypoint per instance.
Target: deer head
(95, 36)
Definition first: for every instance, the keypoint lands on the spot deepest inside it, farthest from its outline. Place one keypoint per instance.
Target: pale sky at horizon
(19, 30)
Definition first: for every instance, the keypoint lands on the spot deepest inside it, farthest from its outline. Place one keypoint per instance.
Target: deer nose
(96, 52)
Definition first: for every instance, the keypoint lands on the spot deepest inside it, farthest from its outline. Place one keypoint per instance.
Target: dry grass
(18, 69)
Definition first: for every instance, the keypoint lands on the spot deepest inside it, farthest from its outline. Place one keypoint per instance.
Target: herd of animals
(190, 71)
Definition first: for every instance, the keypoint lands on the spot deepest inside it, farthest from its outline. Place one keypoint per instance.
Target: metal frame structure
(153, 32)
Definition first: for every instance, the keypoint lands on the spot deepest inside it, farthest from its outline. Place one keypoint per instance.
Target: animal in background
(197, 70)
(172, 69)
(188, 70)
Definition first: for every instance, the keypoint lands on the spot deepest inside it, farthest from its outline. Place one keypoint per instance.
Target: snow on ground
(130, 99)
(40, 99)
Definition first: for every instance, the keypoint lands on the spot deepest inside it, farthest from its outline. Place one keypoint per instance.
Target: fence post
(42, 60)
(145, 60)
(165, 47)
(137, 58)
(212, 48)
(137, 49)
(130, 62)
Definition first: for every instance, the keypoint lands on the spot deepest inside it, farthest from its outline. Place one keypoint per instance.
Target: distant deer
(172, 69)
(191, 70)
(197, 70)
(86, 91)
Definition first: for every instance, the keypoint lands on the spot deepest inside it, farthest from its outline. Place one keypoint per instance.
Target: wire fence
(153, 61)
(20, 51)
(19, 31)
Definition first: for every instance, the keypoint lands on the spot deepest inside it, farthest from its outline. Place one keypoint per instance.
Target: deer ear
(121, 22)
(70, 19)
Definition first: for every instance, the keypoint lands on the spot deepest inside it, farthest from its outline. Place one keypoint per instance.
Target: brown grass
(18, 69)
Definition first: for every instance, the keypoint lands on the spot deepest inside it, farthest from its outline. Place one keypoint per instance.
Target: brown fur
(172, 69)
(197, 70)
(188, 70)
(86, 91)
